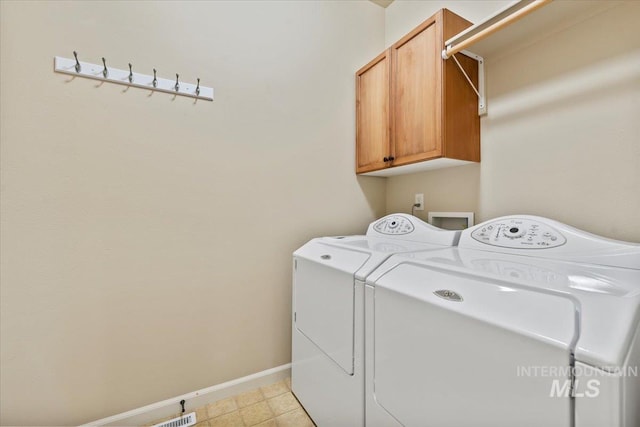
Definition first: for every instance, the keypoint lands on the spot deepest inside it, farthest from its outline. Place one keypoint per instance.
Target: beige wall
(146, 240)
(562, 136)
(404, 15)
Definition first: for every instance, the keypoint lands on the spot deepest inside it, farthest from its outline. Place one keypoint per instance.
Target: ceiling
(383, 3)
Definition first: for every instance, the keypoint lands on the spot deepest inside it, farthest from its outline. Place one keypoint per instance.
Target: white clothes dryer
(327, 372)
(528, 322)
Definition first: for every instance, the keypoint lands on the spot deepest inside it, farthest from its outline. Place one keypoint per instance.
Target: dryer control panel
(520, 233)
(404, 227)
(393, 224)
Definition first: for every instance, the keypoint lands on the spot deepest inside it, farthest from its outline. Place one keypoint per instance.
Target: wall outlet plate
(419, 200)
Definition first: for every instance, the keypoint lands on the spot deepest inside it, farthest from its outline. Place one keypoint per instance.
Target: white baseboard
(195, 399)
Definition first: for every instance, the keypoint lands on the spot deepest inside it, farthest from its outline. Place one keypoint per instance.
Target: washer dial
(514, 232)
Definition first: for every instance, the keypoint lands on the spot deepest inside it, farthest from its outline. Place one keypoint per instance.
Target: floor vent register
(182, 421)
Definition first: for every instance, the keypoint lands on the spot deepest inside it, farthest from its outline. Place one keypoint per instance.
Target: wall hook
(78, 67)
(102, 72)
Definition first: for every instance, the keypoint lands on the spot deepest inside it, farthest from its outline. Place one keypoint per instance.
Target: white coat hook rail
(102, 72)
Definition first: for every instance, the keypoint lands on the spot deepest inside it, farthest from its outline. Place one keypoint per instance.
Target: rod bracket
(480, 90)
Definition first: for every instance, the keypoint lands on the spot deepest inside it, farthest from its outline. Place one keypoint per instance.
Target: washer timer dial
(514, 232)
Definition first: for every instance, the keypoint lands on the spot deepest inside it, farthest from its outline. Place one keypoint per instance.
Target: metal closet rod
(456, 47)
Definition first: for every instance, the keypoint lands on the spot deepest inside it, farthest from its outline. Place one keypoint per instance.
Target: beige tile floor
(270, 406)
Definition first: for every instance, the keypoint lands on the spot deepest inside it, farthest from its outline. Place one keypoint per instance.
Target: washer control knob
(514, 232)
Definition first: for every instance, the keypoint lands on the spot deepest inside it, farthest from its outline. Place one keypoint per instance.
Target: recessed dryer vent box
(451, 220)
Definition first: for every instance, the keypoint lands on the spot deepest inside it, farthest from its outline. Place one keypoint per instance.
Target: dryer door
(324, 299)
(453, 350)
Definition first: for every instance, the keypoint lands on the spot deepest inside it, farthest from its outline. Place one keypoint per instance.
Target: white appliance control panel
(553, 239)
(520, 233)
(393, 224)
(404, 227)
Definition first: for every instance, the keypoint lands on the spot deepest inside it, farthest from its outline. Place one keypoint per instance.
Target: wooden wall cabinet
(414, 110)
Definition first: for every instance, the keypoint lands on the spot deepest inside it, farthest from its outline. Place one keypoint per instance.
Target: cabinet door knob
(391, 159)
(385, 159)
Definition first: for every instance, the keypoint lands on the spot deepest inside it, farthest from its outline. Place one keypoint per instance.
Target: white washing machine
(327, 372)
(528, 322)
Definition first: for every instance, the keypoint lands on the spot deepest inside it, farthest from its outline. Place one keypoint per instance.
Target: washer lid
(608, 298)
(539, 314)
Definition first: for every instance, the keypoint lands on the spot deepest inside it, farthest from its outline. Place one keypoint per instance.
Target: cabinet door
(416, 94)
(372, 115)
